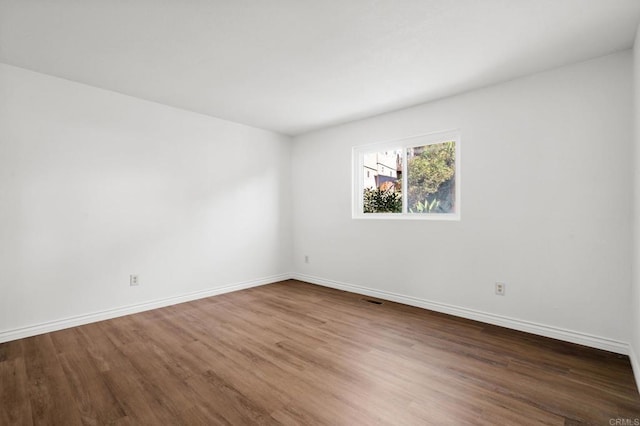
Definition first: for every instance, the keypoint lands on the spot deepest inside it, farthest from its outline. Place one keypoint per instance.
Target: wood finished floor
(294, 353)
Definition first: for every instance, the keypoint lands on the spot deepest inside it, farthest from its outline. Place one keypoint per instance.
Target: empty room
(357, 212)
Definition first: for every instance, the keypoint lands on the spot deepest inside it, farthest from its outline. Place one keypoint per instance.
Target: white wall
(546, 178)
(95, 186)
(635, 292)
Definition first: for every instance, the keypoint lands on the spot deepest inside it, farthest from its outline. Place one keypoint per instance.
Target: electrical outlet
(306, 258)
(134, 280)
(500, 288)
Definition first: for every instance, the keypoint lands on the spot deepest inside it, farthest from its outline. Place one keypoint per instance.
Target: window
(414, 178)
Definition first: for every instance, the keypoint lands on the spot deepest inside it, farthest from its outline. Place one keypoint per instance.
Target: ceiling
(293, 66)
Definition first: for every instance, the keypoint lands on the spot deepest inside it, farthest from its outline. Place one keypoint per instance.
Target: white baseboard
(513, 323)
(61, 324)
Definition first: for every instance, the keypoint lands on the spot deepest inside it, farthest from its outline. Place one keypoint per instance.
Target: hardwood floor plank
(253, 383)
(294, 353)
(11, 350)
(199, 415)
(166, 393)
(69, 339)
(15, 408)
(121, 331)
(95, 402)
(223, 400)
(49, 391)
(132, 397)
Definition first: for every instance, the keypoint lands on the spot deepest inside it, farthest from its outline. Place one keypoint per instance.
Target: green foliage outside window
(431, 177)
(378, 200)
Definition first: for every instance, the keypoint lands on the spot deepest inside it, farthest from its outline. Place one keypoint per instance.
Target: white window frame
(357, 174)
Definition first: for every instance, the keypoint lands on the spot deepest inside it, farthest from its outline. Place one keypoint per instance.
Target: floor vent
(375, 302)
